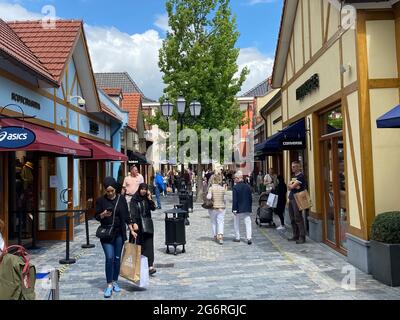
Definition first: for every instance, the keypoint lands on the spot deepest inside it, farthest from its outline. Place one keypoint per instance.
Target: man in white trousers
(242, 207)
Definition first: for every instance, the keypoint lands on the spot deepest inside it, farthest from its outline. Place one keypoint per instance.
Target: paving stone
(270, 269)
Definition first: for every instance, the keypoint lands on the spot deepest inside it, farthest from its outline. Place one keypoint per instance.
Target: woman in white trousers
(217, 214)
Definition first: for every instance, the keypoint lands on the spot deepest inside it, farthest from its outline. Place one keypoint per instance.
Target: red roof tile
(132, 103)
(52, 47)
(112, 91)
(12, 46)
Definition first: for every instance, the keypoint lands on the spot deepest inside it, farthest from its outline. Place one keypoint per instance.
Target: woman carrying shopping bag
(141, 206)
(217, 214)
(112, 212)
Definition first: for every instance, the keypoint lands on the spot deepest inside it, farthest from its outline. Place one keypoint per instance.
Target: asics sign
(16, 137)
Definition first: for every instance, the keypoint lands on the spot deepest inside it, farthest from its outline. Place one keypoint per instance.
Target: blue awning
(274, 143)
(390, 119)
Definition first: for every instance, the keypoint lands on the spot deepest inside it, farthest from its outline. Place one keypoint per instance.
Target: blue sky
(138, 27)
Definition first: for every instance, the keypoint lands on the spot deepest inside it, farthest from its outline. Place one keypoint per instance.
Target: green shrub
(386, 228)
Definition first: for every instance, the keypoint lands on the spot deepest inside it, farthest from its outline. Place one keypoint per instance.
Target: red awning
(102, 152)
(47, 140)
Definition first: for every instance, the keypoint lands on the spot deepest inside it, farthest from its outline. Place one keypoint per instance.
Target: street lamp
(167, 110)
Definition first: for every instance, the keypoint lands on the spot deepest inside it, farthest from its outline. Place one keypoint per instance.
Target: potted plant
(385, 248)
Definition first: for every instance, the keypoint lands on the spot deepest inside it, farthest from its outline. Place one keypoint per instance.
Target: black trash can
(186, 198)
(175, 230)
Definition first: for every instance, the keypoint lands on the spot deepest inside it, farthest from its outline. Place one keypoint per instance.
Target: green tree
(199, 61)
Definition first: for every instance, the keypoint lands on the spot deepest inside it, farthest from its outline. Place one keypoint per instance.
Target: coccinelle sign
(16, 137)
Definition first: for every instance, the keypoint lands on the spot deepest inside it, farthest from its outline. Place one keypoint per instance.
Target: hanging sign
(16, 137)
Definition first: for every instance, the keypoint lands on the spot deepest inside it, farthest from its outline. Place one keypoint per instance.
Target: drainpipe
(114, 167)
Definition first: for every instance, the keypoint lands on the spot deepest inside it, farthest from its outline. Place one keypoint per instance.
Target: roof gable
(52, 47)
(132, 103)
(13, 47)
(259, 90)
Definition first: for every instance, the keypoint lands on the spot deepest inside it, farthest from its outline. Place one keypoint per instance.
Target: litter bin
(186, 197)
(185, 212)
(175, 232)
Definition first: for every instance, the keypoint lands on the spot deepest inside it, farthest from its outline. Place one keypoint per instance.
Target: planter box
(385, 263)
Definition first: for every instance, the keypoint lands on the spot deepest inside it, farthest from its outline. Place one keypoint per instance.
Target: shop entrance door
(334, 187)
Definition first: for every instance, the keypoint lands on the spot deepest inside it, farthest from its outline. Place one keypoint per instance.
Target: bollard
(55, 284)
(67, 260)
(87, 245)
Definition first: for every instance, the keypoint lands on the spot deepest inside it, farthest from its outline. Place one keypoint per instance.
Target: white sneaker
(281, 228)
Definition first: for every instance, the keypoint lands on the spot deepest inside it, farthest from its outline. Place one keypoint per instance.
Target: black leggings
(280, 213)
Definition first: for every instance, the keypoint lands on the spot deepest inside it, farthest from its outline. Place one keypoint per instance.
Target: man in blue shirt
(297, 184)
(242, 206)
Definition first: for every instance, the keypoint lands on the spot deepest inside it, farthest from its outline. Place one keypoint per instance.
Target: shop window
(332, 121)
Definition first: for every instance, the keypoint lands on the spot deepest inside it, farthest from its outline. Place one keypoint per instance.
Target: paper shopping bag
(130, 263)
(303, 200)
(144, 273)
(272, 201)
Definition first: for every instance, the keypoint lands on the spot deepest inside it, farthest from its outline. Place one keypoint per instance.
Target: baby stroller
(265, 214)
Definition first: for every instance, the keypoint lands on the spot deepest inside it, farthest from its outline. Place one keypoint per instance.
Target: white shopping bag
(272, 201)
(144, 273)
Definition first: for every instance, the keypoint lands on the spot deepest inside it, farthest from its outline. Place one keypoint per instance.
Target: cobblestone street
(270, 269)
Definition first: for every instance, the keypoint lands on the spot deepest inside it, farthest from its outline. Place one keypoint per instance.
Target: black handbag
(147, 222)
(106, 232)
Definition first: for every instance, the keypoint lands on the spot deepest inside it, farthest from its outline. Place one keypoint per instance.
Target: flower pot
(385, 263)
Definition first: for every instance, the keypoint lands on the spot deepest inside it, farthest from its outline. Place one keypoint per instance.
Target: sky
(126, 35)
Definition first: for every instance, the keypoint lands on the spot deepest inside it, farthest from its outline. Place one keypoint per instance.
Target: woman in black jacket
(106, 206)
(281, 191)
(141, 206)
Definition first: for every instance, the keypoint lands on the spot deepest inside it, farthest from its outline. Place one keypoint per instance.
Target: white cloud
(114, 51)
(162, 22)
(10, 12)
(260, 67)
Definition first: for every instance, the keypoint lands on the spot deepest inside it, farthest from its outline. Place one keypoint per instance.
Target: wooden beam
(367, 167)
(327, 23)
(383, 83)
(350, 145)
(316, 57)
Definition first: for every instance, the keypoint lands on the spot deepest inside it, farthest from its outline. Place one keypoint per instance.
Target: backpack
(17, 275)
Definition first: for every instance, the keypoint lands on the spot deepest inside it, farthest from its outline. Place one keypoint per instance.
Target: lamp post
(168, 108)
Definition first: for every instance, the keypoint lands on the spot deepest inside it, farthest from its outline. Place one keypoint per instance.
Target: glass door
(334, 180)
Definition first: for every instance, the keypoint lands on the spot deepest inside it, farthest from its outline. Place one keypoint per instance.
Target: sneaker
(152, 271)
(236, 240)
(293, 239)
(108, 292)
(281, 228)
(116, 287)
(249, 242)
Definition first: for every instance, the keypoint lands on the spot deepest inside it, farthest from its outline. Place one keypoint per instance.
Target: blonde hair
(1, 226)
(216, 179)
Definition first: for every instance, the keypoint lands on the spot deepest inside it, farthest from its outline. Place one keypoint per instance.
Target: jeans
(247, 221)
(157, 191)
(112, 251)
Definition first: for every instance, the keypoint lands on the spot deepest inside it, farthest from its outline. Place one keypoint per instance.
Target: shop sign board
(16, 137)
(293, 143)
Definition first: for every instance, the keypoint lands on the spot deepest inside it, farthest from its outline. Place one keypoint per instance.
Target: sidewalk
(271, 268)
